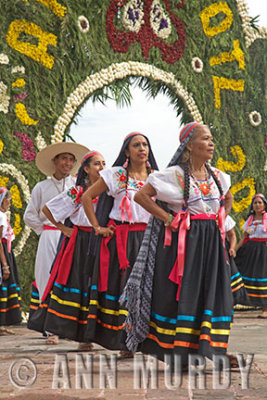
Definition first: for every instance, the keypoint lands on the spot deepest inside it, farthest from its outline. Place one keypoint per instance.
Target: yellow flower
(17, 226)
(225, 83)
(16, 199)
(1, 146)
(210, 12)
(244, 203)
(36, 52)
(19, 83)
(23, 115)
(54, 6)
(230, 165)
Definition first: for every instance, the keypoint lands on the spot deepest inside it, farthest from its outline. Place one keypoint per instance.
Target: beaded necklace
(203, 187)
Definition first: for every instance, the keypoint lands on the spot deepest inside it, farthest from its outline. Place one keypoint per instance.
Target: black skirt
(239, 292)
(10, 307)
(106, 315)
(251, 260)
(200, 321)
(64, 312)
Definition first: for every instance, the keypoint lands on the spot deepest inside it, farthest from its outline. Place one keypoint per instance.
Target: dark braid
(186, 183)
(218, 183)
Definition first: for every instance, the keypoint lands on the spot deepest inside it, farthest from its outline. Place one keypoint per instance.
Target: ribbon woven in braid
(138, 290)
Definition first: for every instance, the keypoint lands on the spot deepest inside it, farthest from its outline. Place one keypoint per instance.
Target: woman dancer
(251, 257)
(179, 294)
(10, 310)
(117, 254)
(64, 311)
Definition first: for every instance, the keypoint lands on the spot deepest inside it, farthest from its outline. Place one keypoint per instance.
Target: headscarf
(250, 214)
(185, 135)
(3, 193)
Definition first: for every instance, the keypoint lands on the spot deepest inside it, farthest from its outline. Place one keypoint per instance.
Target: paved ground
(59, 365)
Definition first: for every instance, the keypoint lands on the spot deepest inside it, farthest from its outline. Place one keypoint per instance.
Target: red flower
(121, 40)
(122, 178)
(73, 191)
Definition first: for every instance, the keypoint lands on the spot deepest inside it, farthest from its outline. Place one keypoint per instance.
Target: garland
(23, 183)
(4, 98)
(107, 76)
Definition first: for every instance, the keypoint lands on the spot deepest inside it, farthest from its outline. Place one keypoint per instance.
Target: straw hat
(44, 159)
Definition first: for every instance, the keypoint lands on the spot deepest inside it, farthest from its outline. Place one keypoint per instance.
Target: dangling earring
(148, 165)
(126, 162)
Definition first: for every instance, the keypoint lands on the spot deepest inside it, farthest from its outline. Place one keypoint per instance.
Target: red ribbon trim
(181, 221)
(50, 228)
(121, 234)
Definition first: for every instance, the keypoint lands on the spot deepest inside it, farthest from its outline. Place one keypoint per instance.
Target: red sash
(247, 239)
(50, 228)
(181, 221)
(121, 233)
(61, 268)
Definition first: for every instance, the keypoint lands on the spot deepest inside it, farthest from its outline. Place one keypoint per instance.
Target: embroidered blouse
(7, 232)
(115, 178)
(169, 185)
(65, 205)
(255, 230)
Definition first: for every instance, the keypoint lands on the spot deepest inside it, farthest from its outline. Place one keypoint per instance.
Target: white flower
(83, 24)
(159, 20)
(4, 98)
(18, 70)
(40, 142)
(255, 118)
(4, 58)
(197, 65)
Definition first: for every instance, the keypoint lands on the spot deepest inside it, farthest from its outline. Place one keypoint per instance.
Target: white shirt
(64, 206)
(169, 185)
(7, 231)
(255, 230)
(229, 223)
(115, 179)
(41, 194)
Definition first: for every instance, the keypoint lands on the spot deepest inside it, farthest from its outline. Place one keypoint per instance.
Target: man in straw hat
(56, 161)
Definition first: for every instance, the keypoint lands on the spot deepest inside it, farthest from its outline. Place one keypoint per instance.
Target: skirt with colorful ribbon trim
(199, 322)
(239, 291)
(65, 309)
(10, 300)
(251, 260)
(106, 316)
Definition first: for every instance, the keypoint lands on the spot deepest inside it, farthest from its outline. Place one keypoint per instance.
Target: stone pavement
(248, 335)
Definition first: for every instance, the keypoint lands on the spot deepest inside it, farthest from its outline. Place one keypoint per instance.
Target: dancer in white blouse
(251, 256)
(57, 161)
(116, 254)
(64, 307)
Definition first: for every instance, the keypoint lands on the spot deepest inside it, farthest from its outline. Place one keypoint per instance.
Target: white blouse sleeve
(2, 219)
(167, 185)
(229, 223)
(64, 205)
(114, 178)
